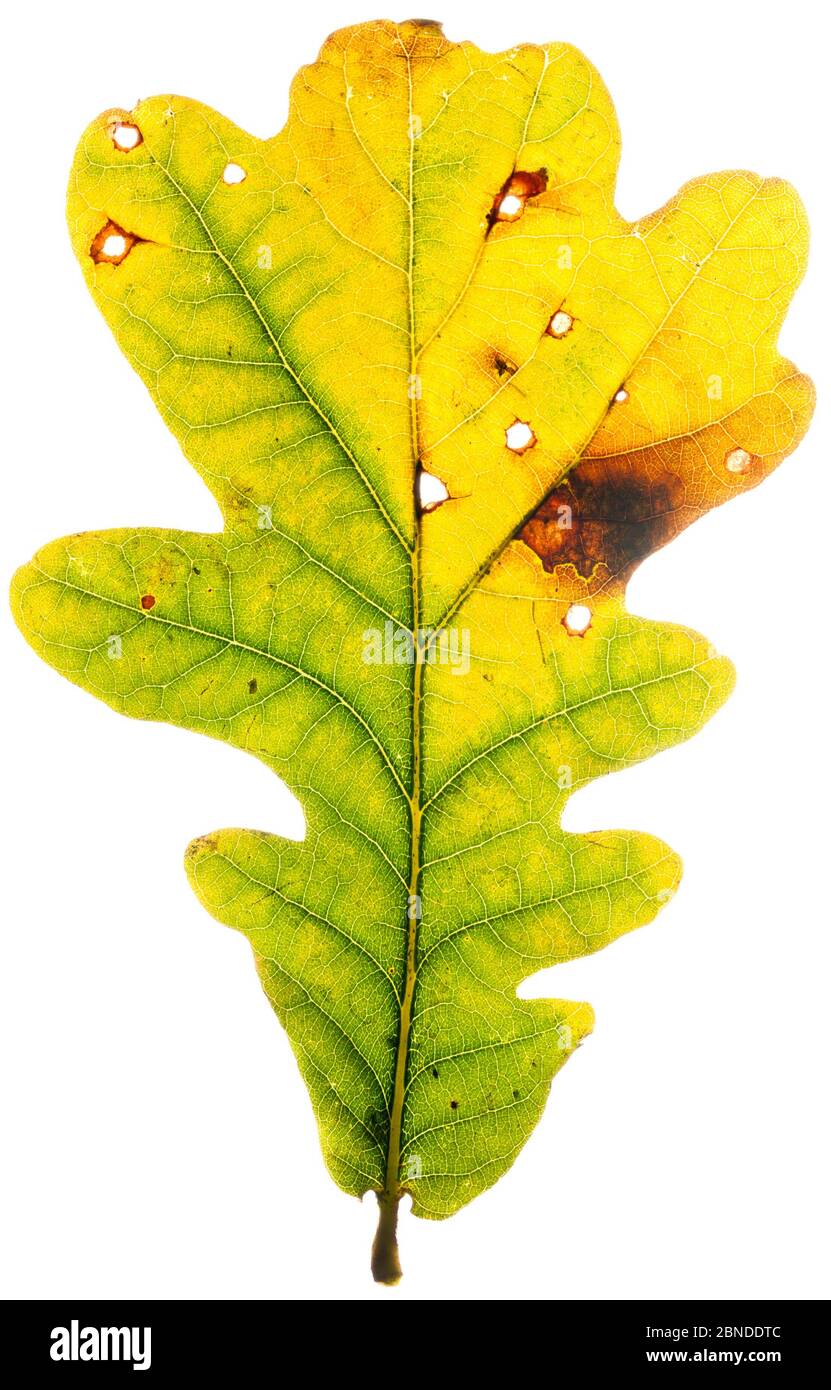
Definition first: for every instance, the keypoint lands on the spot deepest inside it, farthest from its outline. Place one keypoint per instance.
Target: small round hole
(233, 173)
(510, 208)
(577, 620)
(125, 135)
(738, 461)
(621, 395)
(519, 436)
(112, 244)
(559, 324)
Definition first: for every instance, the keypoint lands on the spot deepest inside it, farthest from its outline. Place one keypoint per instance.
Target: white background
(158, 1140)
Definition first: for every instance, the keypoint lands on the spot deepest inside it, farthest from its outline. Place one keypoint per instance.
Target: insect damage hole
(510, 208)
(621, 395)
(112, 245)
(125, 135)
(559, 324)
(430, 491)
(233, 173)
(577, 620)
(738, 461)
(519, 436)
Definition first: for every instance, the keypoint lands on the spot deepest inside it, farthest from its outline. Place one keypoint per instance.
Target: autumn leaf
(447, 399)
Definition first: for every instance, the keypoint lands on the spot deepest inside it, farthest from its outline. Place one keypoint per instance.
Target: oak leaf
(447, 399)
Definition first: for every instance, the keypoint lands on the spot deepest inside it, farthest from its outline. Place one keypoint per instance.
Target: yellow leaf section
(614, 509)
(670, 328)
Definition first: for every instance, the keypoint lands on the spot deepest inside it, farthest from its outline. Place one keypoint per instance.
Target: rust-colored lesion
(521, 184)
(614, 510)
(112, 244)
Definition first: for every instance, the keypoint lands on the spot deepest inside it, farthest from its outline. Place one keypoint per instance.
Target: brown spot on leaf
(525, 184)
(521, 185)
(606, 514)
(252, 686)
(206, 844)
(503, 366)
(147, 601)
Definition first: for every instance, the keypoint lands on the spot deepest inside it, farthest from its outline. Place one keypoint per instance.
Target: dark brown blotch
(607, 514)
(503, 366)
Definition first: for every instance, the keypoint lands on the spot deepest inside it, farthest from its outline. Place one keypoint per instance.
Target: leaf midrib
(392, 1186)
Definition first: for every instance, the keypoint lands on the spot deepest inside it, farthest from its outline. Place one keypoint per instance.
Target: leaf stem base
(386, 1266)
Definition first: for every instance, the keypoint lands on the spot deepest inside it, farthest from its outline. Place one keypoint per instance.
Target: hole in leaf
(559, 324)
(115, 246)
(431, 491)
(233, 173)
(125, 135)
(112, 245)
(519, 436)
(510, 208)
(738, 461)
(621, 395)
(577, 620)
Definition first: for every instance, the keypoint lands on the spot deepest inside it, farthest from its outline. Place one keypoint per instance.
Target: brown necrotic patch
(112, 244)
(509, 203)
(526, 184)
(606, 514)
